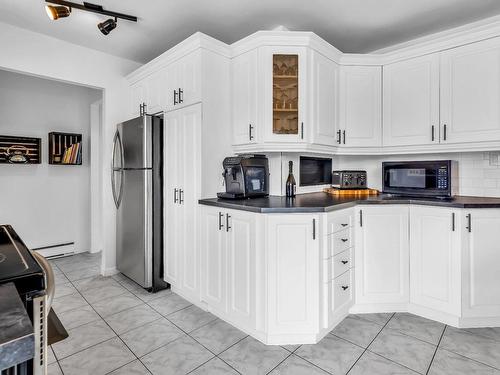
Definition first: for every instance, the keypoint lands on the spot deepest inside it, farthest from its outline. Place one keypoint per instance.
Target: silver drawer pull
(344, 239)
(344, 261)
(345, 287)
(344, 225)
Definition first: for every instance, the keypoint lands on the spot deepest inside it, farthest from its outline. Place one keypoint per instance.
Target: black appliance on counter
(435, 179)
(349, 179)
(245, 176)
(18, 266)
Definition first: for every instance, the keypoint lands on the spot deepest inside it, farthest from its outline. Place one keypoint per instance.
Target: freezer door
(136, 139)
(134, 227)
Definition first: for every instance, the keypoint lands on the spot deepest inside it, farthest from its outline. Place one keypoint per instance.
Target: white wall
(46, 204)
(479, 172)
(37, 54)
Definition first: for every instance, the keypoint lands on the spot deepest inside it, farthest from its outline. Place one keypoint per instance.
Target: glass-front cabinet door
(286, 71)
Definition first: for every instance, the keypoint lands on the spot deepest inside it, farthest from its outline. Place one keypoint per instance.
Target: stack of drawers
(338, 258)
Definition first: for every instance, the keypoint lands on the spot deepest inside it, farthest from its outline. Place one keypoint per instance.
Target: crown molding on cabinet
(192, 43)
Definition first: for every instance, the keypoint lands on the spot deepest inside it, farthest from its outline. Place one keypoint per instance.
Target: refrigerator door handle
(117, 142)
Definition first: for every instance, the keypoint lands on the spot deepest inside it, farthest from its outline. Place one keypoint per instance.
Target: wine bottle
(290, 181)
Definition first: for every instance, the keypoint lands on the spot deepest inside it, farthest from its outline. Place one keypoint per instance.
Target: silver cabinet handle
(220, 220)
(181, 94)
(314, 229)
(302, 130)
(250, 127)
(360, 218)
(453, 222)
(343, 135)
(432, 133)
(344, 225)
(344, 239)
(344, 261)
(469, 223)
(345, 287)
(175, 195)
(175, 97)
(227, 222)
(181, 196)
(339, 136)
(444, 132)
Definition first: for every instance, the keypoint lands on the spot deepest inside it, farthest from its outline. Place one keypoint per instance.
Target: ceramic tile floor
(116, 328)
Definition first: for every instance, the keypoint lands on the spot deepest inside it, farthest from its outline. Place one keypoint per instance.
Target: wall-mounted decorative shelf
(20, 150)
(65, 148)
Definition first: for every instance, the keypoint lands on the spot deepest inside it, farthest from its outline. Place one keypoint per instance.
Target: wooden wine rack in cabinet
(285, 94)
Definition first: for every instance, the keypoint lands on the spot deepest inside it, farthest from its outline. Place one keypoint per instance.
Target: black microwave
(437, 178)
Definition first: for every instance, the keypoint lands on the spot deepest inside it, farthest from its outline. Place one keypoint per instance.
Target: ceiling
(350, 25)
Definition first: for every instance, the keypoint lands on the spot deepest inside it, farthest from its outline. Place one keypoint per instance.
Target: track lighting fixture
(107, 26)
(56, 12)
(63, 9)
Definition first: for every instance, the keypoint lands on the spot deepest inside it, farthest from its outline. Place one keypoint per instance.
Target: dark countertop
(17, 341)
(323, 202)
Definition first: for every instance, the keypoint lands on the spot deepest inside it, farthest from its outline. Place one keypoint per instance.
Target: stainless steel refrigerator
(136, 179)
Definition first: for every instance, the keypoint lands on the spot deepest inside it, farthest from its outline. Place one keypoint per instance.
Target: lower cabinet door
(293, 273)
(435, 258)
(382, 255)
(240, 229)
(213, 259)
(481, 291)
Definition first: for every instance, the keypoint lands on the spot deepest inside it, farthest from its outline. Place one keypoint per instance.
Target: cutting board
(356, 192)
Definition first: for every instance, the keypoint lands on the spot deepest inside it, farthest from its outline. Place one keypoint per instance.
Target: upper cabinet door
(360, 106)
(470, 93)
(138, 92)
(285, 94)
(244, 96)
(156, 94)
(411, 102)
(184, 81)
(324, 101)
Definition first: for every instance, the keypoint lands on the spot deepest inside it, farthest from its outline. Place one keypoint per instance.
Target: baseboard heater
(57, 250)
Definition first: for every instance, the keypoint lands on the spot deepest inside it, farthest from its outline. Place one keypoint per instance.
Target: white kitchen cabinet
(293, 273)
(481, 264)
(244, 98)
(382, 255)
(411, 102)
(470, 93)
(214, 259)
(435, 258)
(324, 82)
(150, 91)
(229, 263)
(285, 96)
(182, 137)
(360, 123)
(183, 84)
(138, 97)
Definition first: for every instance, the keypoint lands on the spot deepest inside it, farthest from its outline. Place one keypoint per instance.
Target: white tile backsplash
(479, 172)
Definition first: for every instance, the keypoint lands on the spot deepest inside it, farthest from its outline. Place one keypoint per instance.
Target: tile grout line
(105, 340)
(371, 342)
(435, 351)
(284, 359)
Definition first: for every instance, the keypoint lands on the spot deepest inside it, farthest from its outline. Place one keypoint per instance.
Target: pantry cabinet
(244, 95)
(411, 102)
(382, 255)
(470, 93)
(435, 258)
(183, 83)
(360, 123)
(182, 133)
(481, 265)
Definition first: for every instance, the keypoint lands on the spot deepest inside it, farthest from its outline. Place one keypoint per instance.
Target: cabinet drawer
(342, 262)
(338, 221)
(339, 242)
(342, 290)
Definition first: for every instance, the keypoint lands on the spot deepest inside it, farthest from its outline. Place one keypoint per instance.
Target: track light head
(107, 26)
(55, 11)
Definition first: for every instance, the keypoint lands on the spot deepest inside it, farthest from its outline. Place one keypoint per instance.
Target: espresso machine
(245, 176)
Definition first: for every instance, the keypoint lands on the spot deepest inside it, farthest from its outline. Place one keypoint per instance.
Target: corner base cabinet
(264, 274)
